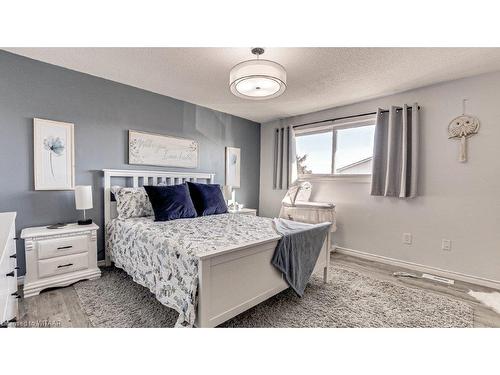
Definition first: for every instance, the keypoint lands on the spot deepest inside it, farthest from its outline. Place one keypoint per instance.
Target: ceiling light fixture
(257, 79)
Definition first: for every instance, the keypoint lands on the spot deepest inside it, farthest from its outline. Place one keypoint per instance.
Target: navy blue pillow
(207, 199)
(171, 202)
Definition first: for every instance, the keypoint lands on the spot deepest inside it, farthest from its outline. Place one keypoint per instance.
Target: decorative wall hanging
(161, 150)
(54, 155)
(233, 167)
(461, 128)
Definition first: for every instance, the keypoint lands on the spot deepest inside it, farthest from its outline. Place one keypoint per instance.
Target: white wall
(457, 201)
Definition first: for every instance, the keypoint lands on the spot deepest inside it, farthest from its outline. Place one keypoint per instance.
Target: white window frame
(333, 126)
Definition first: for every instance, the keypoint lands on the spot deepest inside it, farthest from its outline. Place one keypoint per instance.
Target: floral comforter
(162, 256)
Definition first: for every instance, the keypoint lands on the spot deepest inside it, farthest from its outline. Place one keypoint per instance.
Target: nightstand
(244, 211)
(59, 257)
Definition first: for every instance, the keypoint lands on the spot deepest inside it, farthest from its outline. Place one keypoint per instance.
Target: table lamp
(228, 193)
(83, 201)
(230, 196)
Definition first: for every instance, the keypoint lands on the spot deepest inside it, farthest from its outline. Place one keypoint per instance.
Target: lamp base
(85, 222)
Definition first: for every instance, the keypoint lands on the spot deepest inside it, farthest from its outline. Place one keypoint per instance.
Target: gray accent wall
(102, 111)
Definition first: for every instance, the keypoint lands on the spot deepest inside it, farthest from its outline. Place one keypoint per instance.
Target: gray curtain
(395, 152)
(285, 161)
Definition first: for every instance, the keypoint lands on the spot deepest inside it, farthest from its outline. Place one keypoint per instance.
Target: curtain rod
(345, 117)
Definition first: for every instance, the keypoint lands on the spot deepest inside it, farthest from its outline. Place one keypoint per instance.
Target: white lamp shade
(257, 79)
(83, 197)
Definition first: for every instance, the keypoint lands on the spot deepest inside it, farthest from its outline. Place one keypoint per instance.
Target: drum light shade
(83, 197)
(257, 79)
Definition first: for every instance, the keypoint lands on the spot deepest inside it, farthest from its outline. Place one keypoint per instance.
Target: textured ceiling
(318, 78)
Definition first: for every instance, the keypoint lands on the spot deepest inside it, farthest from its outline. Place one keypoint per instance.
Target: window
(345, 149)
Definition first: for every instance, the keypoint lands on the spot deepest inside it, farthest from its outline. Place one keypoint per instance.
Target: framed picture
(233, 166)
(54, 155)
(161, 150)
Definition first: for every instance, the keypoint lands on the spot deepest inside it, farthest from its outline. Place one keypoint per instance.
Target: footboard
(235, 280)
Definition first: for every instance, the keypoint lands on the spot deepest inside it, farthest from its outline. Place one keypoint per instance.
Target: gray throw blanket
(298, 250)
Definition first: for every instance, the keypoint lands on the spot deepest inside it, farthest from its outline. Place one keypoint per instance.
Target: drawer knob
(13, 256)
(65, 265)
(16, 268)
(10, 274)
(64, 247)
(15, 295)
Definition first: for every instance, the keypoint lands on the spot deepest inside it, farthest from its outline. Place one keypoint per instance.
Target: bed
(209, 269)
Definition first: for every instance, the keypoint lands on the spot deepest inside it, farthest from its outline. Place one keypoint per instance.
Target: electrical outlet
(446, 245)
(407, 238)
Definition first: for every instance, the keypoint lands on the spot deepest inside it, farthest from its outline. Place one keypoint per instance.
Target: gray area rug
(350, 299)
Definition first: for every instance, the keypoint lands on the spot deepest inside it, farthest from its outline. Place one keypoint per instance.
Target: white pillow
(132, 202)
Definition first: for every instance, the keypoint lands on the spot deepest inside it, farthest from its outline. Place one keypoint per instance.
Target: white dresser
(59, 257)
(8, 269)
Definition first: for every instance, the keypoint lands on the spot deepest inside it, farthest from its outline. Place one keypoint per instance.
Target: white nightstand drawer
(62, 246)
(64, 264)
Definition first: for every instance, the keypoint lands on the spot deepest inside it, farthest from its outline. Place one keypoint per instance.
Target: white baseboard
(495, 284)
(101, 263)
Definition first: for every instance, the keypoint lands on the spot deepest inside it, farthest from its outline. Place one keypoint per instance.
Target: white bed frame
(231, 280)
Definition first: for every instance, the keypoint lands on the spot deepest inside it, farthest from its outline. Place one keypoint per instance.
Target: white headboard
(142, 178)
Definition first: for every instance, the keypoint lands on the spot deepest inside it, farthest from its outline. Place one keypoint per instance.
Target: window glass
(354, 151)
(314, 153)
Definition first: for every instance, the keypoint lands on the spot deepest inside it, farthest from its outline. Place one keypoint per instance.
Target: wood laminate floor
(61, 307)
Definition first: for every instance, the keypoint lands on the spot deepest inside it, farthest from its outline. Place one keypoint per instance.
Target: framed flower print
(54, 155)
(233, 166)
